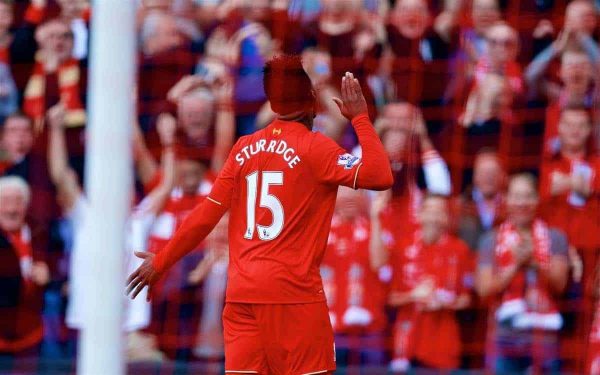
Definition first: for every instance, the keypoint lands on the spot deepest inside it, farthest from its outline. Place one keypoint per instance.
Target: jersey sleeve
(331, 164)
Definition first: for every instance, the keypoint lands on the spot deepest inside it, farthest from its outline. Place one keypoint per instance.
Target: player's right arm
(194, 229)
(333, 165)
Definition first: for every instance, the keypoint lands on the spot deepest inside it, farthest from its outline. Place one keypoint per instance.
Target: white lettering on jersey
(276, 147)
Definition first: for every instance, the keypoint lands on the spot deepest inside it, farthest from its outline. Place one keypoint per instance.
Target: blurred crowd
(484, 254)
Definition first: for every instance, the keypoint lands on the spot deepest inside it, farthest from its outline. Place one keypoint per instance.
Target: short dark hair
(287, 85)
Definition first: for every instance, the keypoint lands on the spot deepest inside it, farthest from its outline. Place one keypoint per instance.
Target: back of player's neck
(299, 117)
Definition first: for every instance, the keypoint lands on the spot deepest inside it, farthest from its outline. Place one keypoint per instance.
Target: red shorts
(290, 339)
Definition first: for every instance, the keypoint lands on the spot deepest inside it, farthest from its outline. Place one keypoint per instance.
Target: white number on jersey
(269, 201)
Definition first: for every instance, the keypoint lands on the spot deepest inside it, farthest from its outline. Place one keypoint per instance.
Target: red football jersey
(280, 184)
(355, 293)
(434, 336)
(578, 217)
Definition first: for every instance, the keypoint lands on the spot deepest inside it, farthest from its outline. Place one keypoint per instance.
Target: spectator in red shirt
(403, 132)
(523, 268)
(578, 87)
(570, 193)
(429, 284)
(22, 273)
(355, 294)
(569, 183)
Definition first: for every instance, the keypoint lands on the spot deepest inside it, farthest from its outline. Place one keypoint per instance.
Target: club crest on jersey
(348, 161)
(277, 131)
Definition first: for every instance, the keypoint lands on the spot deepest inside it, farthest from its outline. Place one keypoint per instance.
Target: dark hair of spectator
(287, 85)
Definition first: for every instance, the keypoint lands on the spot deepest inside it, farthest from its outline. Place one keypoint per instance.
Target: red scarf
(21, 243)
(69, 76)
(526, 302)
(27, 316)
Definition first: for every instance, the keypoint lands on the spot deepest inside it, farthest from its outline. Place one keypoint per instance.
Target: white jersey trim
(214, 201)
(316, 372)
(356, 176)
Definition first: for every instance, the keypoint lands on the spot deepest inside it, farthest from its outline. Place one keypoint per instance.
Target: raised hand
(353, 101)
(223, 91)
(40, 274)
(144, 276)
(167, 127)
(56, 116)
(183, 86)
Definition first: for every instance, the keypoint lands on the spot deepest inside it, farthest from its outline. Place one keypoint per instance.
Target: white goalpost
(108, 183)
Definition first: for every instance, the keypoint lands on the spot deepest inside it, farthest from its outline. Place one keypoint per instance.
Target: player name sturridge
(279, 147)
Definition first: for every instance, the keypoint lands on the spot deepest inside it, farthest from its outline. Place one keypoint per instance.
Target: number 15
(269, 201)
